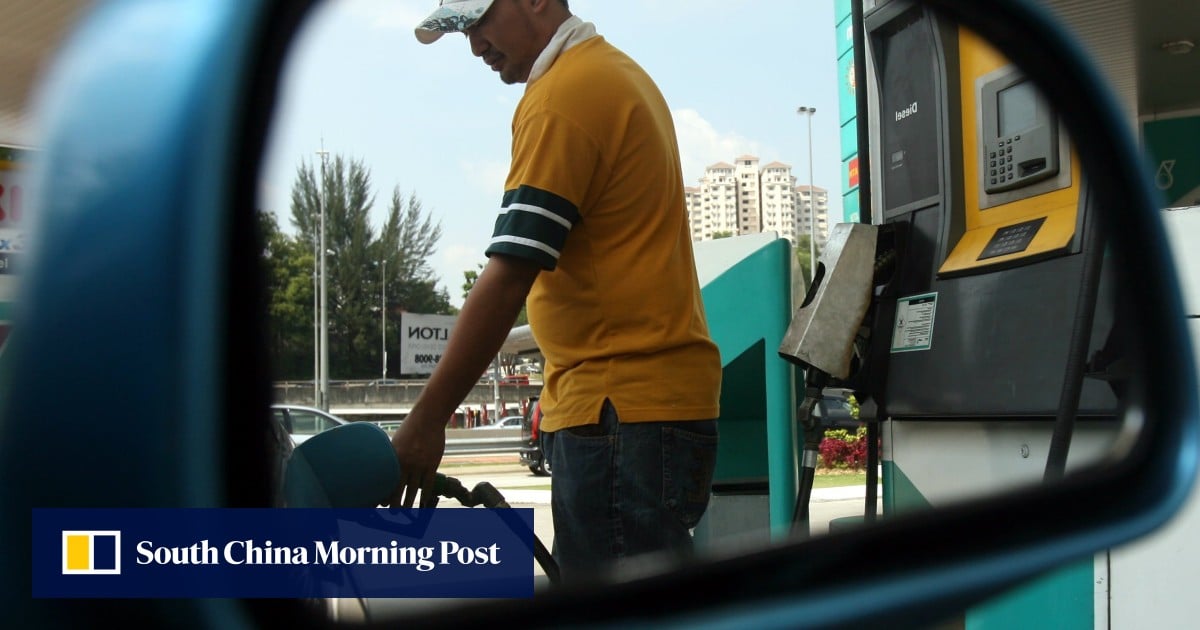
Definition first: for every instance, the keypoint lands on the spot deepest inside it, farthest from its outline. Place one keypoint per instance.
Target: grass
(837, 479)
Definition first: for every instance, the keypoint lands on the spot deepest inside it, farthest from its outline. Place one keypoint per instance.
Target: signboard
(13, 197)
(1172, 143)
(423, 340)
(914, 323)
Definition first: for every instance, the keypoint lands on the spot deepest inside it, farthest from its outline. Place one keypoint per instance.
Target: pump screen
(1019, 133)
(1017, 108)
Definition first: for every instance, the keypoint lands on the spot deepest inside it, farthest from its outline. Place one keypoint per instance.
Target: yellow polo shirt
(595, 196)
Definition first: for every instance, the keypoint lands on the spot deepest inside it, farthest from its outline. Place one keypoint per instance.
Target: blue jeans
(625, 489)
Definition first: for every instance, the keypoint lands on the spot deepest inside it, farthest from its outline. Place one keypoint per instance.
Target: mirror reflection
(956, 337)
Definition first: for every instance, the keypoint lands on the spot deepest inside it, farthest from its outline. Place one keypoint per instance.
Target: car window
(307, 422)
(282, 418)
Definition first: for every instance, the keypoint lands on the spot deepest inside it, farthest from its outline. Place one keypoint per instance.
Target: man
(593, 233)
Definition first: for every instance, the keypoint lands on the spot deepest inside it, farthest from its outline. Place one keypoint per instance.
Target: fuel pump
(991, 349)
(973, 310)
(999, 299)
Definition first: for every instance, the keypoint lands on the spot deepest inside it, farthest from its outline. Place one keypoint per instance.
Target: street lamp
(324, 397)
(812, 200)
(383, 310)
(316, 325)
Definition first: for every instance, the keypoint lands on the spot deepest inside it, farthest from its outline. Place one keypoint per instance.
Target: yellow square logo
(91, 552)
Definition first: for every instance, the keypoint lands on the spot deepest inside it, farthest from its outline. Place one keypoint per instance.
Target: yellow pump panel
(1057, 208)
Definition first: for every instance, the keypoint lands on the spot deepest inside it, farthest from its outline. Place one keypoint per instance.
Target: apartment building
(746, 198)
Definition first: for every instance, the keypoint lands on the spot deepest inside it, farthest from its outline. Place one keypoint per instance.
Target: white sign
(914, 323)
(423, 340)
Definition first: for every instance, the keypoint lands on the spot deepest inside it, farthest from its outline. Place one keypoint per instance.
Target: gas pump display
(1021, 138)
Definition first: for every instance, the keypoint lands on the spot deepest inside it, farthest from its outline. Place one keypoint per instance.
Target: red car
(532, 453)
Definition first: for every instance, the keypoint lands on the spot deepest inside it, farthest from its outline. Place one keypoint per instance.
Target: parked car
(281, 443)
(507, 422)
(532, 453)
(304, 422)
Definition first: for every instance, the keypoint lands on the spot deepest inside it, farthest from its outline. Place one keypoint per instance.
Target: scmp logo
(91, 553)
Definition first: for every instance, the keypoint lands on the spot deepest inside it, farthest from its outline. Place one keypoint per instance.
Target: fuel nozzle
(483, 493)
(823, 330)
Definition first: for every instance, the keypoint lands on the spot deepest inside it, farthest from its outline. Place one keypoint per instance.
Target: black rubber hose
(488, 496)
(814, 431)
(1081, 333)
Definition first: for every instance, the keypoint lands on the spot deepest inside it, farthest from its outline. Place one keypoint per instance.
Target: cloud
(701, 145)
(486, 176)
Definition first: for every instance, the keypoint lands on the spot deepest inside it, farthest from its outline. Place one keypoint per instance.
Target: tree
(409, 238)
(470, 276)
(803, 258)
(356, 260)
(288, 267)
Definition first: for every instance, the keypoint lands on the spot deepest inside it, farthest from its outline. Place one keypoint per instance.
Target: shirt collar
(570, 32)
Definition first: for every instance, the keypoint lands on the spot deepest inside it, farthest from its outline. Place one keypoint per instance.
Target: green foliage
(843, 450)
(358, 264)
(803, 257)
(470, 276)
(290, 278)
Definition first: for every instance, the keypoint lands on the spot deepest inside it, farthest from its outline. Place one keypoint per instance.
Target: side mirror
(155, 119)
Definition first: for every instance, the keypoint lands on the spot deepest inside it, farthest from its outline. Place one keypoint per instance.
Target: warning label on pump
(914, 323)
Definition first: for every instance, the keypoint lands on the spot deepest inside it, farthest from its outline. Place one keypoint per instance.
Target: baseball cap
(451, 16)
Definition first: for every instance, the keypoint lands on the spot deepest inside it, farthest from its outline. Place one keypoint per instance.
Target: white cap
(451, 16)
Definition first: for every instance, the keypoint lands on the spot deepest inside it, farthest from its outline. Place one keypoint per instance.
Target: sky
(435, 121)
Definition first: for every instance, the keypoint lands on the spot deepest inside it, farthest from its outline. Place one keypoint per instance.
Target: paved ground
(526, 488)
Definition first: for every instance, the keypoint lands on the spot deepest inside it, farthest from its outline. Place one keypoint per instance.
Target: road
(523, 489)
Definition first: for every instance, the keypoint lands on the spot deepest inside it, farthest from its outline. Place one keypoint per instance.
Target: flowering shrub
(843, 450)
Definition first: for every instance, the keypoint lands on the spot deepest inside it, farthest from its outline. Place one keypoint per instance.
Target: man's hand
(419, 444)
(485, 320)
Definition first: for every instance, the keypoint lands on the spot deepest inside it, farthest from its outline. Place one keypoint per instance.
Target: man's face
(506, 40)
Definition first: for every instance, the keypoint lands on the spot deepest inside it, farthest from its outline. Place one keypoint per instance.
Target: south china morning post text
(290, 553)
(332, 552)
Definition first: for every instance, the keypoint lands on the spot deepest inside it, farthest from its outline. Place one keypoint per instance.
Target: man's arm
(483, 324)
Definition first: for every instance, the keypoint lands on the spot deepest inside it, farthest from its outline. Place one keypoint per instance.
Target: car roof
(307, 408)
